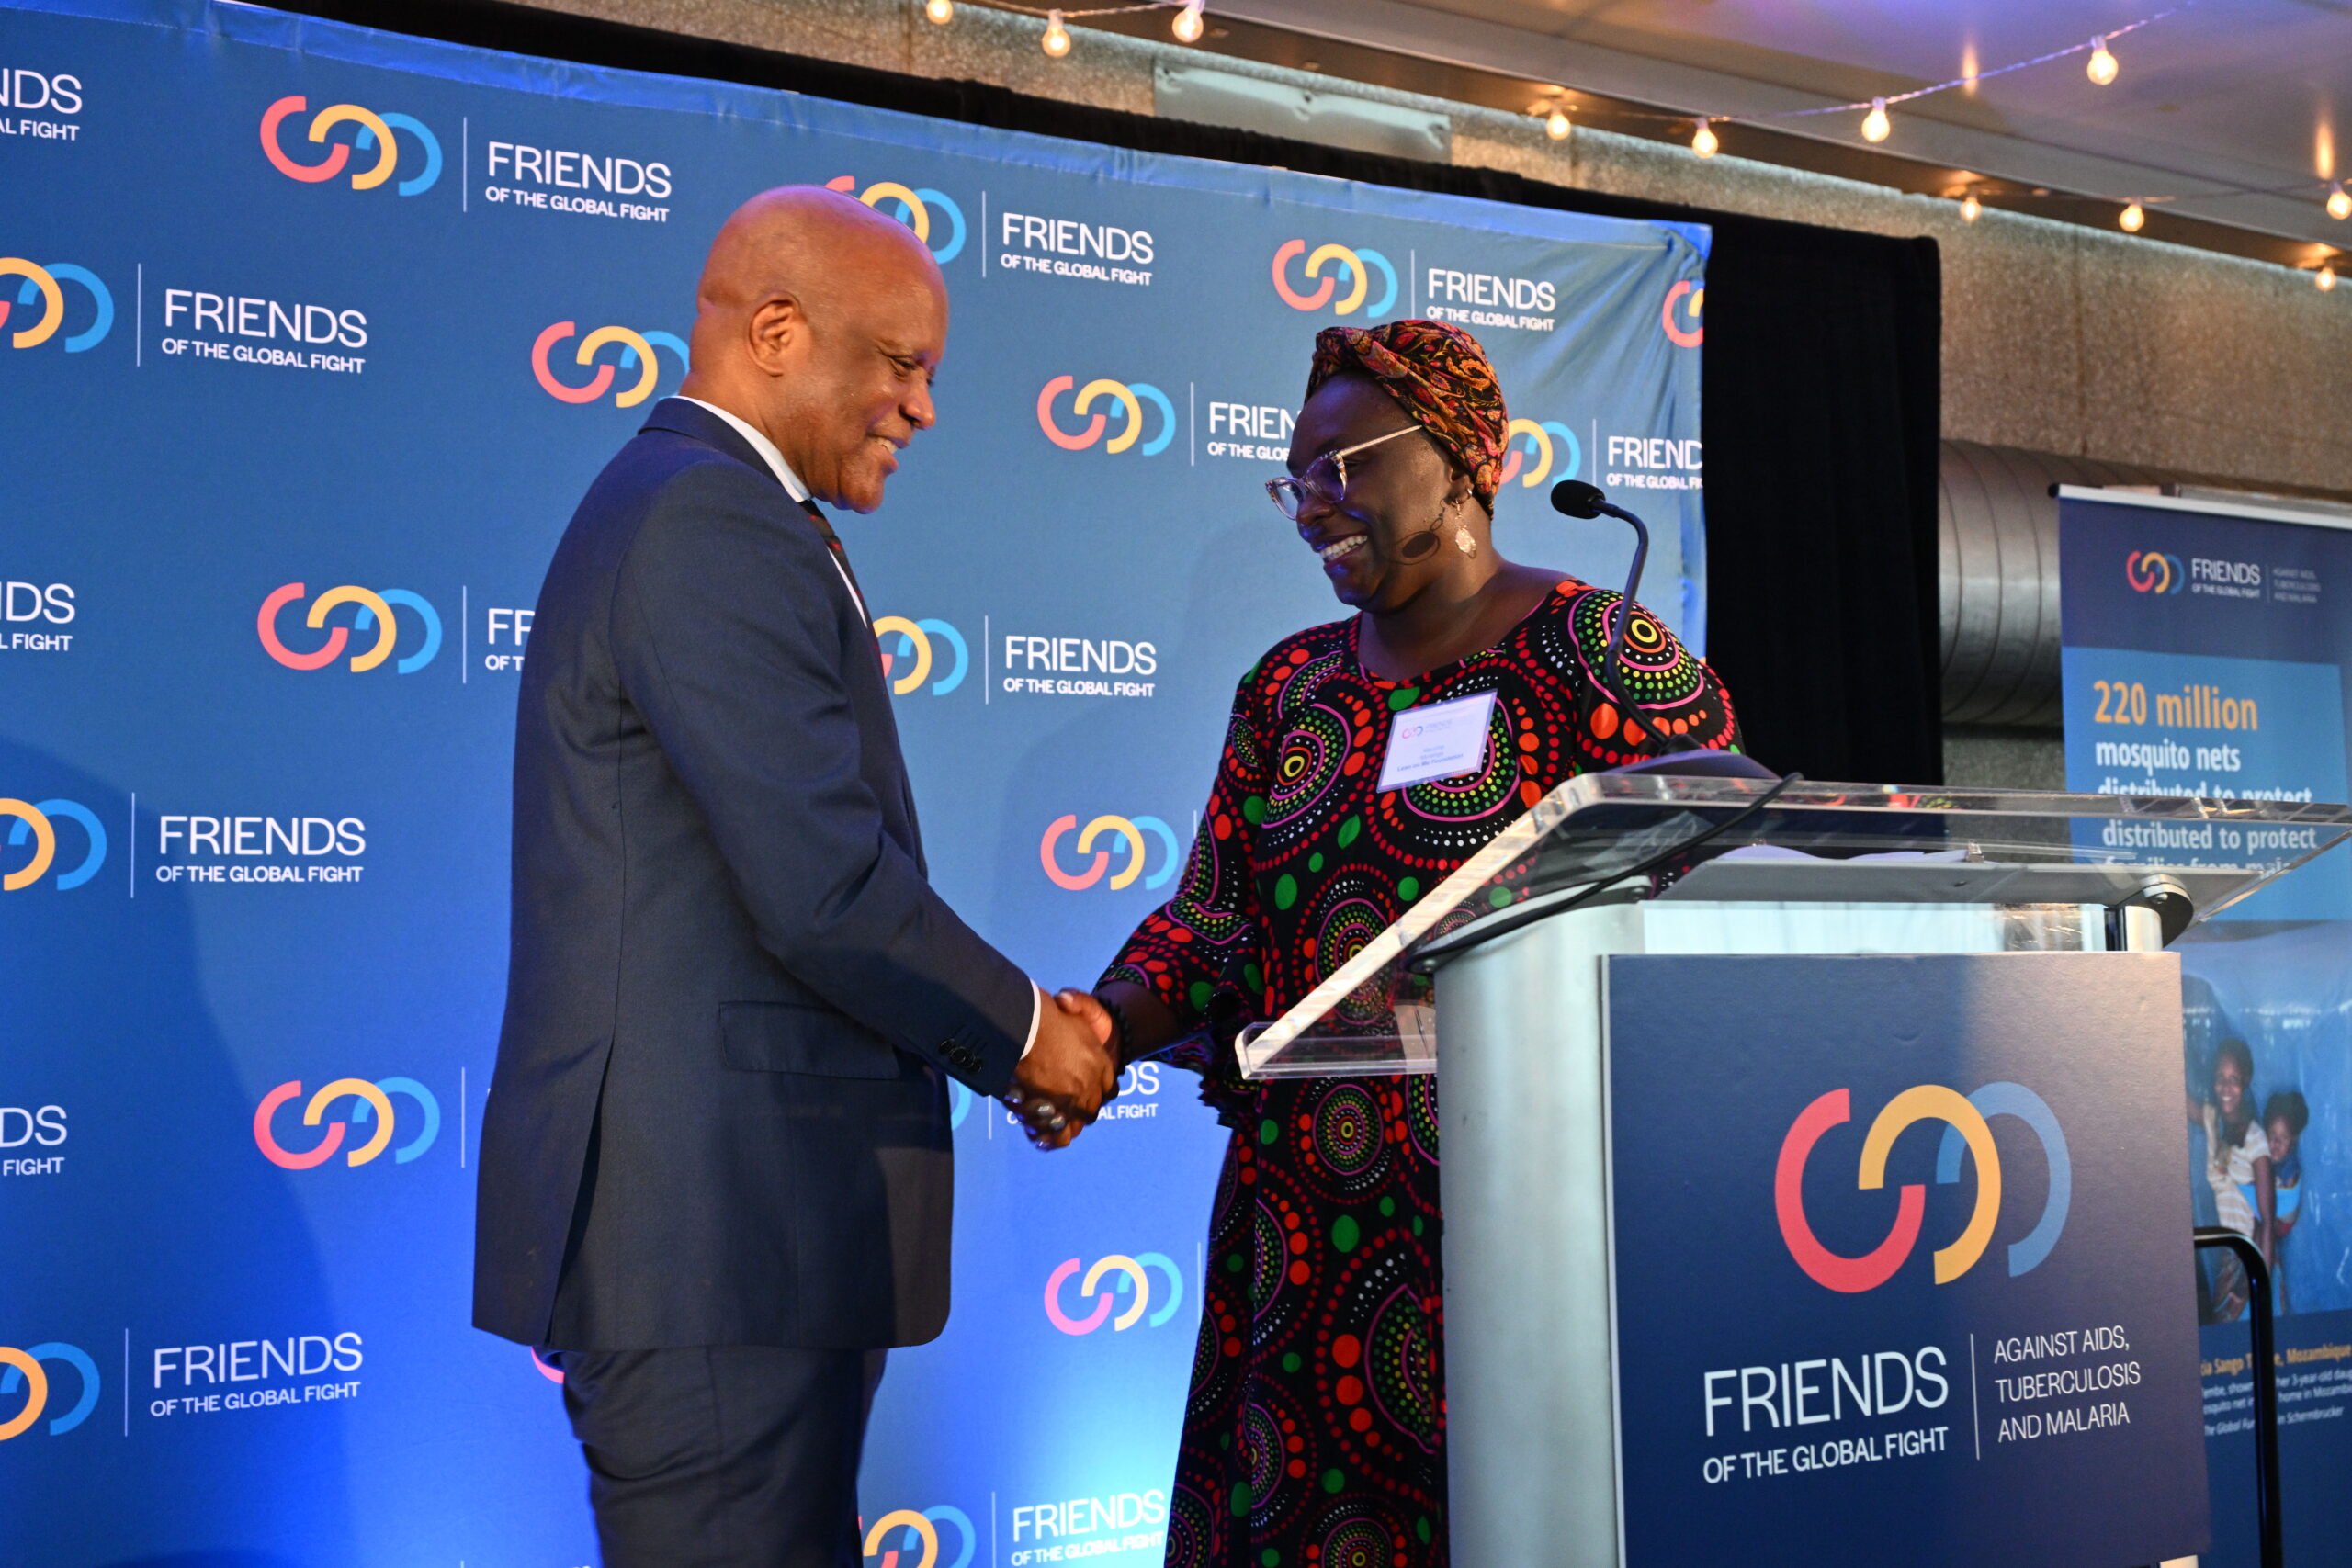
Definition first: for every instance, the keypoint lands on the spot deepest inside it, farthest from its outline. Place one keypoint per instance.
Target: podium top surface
(1622, 836)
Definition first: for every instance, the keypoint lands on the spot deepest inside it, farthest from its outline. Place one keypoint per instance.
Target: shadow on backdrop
(163, 1229)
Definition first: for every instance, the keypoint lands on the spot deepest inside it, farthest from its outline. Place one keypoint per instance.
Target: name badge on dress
(1440, 741)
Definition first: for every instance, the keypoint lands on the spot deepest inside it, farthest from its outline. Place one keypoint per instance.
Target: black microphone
(1577, 499)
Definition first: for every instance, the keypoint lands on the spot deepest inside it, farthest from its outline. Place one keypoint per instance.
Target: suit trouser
(726, 1456)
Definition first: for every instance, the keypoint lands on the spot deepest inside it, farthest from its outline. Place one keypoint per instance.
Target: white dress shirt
(785, 477)
(800, 492)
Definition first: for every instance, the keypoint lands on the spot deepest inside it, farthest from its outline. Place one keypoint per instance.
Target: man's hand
(1061, 1084)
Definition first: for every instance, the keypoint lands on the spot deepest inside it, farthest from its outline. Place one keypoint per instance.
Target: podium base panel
(1530, 1294)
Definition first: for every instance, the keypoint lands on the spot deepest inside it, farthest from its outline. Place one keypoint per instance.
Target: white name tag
(1440, 741)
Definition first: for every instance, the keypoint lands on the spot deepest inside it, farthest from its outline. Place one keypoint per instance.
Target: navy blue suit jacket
(718, 1116)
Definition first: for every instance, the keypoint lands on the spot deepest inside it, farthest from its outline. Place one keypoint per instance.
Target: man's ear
(776, 335)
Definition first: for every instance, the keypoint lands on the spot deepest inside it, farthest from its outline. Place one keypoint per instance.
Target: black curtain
(1821, 386)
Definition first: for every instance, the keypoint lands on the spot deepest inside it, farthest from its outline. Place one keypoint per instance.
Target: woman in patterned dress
(1314, 1434)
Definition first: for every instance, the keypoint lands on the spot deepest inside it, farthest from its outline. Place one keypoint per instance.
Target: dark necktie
(840, 556)
(833, 543)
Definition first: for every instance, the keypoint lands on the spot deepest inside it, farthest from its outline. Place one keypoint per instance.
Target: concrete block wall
(2056, 337)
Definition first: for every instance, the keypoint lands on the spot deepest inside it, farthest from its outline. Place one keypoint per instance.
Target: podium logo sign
(1966, 1131)
(21, 1372)
(374, 136)
(1867, 1311)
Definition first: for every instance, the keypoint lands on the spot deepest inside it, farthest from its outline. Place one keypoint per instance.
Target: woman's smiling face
(1376, 542)
(2229, 1088)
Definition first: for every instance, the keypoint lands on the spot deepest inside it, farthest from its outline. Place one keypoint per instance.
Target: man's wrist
(1036, 1016)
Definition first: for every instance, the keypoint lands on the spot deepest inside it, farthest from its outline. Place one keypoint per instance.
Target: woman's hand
(1151, 1026)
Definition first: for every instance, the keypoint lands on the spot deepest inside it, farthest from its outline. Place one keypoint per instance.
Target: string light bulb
(1057, 40)
(2101, 68)
(2339, 205)
(1187, 25)
(1557, 126)
(1970, 206)
(1705, 143)
(941, 12)
(1875, 125)
(2132, 218)
(2325, 278)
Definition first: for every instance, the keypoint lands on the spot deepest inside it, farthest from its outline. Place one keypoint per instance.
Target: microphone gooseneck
(1575, 498)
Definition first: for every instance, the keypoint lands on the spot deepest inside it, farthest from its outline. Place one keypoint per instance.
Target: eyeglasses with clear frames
(1327, 477)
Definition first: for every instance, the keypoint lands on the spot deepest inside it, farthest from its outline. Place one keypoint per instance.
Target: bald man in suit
(716, 1176)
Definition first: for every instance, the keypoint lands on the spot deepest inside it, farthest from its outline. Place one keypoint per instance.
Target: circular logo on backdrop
(1534, 449)
(1359, 267)
(378, 629)
(373, 135)
(34, 825)
(22, 1369)
(1109, 1278)
(938, 222)
(1113, 832)
(637, 358)
(1691, 297)
(2148, 571)
(1124, 399)
(940, 1537)
(38, 310)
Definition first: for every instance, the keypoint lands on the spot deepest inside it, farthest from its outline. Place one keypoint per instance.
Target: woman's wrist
(1122, 1033)
(1142, 1022)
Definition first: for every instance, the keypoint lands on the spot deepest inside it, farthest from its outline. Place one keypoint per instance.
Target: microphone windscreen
(1577, 499)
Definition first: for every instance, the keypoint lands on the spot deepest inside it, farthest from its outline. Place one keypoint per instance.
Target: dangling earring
(1462, 539)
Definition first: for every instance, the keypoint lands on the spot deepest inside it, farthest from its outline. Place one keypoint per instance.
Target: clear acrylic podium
(1496, 978)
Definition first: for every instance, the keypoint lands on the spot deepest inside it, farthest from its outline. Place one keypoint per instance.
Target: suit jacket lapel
(683, 418)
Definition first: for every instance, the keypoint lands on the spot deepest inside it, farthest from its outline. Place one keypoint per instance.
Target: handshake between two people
(1069, 1073)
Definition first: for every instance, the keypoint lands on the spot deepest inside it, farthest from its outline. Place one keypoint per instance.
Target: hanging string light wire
(1187, 28)
(1876, 106)
(1973, 81)
(1875, 124)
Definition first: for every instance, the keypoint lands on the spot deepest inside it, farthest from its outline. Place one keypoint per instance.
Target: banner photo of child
(2269, 1046)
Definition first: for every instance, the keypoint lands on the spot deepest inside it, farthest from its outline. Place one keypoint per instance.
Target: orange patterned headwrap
(1442, 380)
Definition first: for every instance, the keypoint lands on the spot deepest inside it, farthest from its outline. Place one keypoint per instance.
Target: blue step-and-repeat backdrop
(309, 339)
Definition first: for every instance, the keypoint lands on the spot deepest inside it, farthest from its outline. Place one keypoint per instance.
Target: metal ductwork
(1997, 524)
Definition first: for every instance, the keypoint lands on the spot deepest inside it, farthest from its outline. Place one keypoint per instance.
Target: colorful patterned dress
(1314, 1434)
